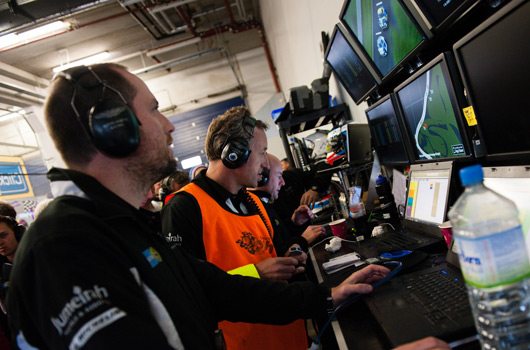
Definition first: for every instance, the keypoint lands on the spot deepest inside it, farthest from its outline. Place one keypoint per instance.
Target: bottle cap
(471, 175)
(380, 179)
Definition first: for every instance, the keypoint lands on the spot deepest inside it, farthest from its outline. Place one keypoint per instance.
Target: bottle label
(494, 260)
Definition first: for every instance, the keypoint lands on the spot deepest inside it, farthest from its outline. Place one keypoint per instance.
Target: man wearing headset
(268, 193)
(93, 272)
(217, 220)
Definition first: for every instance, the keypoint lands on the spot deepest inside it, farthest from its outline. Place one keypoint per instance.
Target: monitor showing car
(385, 30)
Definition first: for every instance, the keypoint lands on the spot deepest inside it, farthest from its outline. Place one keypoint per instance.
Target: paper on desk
(399, 187)
(342, 262)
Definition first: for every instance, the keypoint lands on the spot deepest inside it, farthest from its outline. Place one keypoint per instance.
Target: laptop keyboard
(395, 242)
(442, 295)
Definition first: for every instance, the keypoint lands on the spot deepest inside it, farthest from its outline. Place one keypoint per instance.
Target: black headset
(236, 149)
(265, 174)
(18, 229)
(111, 124)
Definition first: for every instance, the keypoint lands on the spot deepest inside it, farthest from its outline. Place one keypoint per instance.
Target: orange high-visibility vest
(230, 241)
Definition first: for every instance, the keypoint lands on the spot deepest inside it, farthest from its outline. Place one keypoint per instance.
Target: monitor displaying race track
(431, 109)
(386, 31)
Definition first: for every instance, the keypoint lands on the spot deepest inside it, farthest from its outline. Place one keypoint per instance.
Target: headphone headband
(112, 124)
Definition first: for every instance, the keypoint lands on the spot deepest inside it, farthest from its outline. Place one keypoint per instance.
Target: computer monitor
(493, 61)
(387, 132)
(512, 182)
(349, 68)
(430, 102)
(438, 15)
(428, 192)
(386, 31)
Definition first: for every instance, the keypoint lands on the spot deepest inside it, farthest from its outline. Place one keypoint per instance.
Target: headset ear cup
(265, 174)
(19, 231)
(235, 154)
(114, 128)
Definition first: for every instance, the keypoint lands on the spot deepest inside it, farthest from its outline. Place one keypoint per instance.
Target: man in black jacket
(93, 272)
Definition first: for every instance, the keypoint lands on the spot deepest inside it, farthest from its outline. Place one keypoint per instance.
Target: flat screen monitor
(438, 15)
(431, 109)
(512, 182)
(349, 68)
(494, 62)
(386, 31)
(387, 132)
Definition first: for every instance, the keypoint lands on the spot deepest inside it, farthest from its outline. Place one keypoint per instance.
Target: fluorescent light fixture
(174, 46)
(17, 114)
(100, 57)
(14, 39)
(191, 162)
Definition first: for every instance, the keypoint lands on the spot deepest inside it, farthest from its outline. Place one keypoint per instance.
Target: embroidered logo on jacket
(152, 256)
(254, 246)
(82, 302)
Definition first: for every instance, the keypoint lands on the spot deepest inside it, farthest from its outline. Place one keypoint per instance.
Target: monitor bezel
(399, 65)
(491, 21)
(426, 21)
(362, 59)
(456, 92)
(401, 130)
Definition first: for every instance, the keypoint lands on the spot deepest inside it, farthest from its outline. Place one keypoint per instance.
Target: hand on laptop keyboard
(358, 283)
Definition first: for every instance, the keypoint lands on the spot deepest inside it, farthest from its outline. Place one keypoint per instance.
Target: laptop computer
(428, 302)
(426, 207)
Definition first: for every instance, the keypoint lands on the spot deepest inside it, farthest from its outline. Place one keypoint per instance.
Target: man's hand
(279, 269)
(301, 215)
(301, 256)
(309, 198)
(429, 343)
(358, 282)
(313, 232)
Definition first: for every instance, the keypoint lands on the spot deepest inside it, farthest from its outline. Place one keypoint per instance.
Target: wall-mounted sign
(13, 181)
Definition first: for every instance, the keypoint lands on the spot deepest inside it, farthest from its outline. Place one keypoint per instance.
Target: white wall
(293, 29)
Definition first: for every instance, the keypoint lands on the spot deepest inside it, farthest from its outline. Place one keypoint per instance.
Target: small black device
(236, 149)
(294, 251)
(111, 123)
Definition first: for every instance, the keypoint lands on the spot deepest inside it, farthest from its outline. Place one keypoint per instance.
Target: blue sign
(15, 182)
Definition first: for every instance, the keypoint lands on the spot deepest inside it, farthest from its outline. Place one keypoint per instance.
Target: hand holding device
(279, 268)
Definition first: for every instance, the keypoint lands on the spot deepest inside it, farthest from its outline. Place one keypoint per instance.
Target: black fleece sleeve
(182, 224)
(247, 299)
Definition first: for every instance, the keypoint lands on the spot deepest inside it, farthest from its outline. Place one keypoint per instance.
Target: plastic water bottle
(494, 262)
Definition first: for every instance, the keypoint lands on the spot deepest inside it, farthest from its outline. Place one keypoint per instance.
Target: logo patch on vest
(254, 246)
(152, 256)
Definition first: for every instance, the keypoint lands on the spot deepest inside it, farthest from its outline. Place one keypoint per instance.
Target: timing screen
(430, 116)
(427, 197)
(348, 68)
(384, 29)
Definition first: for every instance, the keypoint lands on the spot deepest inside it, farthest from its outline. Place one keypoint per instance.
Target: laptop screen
(428, 192)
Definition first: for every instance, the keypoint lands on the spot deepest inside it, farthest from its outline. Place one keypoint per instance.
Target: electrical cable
(395, 271)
